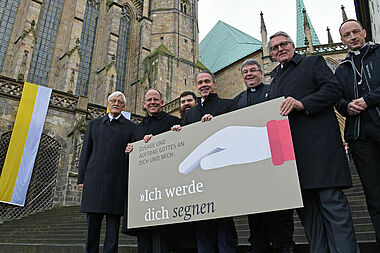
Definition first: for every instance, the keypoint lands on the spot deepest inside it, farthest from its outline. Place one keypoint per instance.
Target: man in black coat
(103, 172)
(359, 76)
(271, 228)
(311, 90)
(153, 239)
(219, 232)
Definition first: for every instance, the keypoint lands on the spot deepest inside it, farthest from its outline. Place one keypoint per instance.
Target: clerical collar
(359, 51)
(255, 88)
(111, 118)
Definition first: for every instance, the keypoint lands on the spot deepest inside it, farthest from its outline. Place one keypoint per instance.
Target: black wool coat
(103, 165)
(211, 105)
(320, 157)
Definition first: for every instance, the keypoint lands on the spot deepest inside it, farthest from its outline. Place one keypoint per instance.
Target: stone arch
(332, 63)
(184, 6)
(43, 181)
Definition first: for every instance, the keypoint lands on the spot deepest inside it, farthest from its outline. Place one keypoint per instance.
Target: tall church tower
(175, 25)
(169, 50)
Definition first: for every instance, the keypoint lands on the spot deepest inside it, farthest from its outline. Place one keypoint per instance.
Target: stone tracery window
(122, 49)
(8, 10)
(43, 180)
(47, 33)
(87, 42)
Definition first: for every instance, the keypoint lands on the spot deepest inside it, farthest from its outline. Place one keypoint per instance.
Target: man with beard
(188, 99)
(311, 90)
(103, 172)
(218, 232)
(153, 239)
(274, 228)
(359, 76)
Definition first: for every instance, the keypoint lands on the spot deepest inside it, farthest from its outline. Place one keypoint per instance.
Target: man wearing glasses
(103, 173)
(271, 229)
(311, 90)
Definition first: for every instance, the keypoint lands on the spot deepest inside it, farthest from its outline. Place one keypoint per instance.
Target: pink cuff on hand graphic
(240, 145)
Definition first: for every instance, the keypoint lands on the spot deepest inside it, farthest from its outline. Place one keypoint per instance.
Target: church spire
(264, 36)
(307, 31)
(329, 37)
(344, 15)
(300, 26)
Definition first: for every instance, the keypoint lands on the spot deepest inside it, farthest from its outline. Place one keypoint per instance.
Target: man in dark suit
(274, 228)
(311, 90)
(154, 239)
(103, 171)
(211, 234)
(359, 76)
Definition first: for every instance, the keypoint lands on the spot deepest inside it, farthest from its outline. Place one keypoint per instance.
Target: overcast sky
(278, 15)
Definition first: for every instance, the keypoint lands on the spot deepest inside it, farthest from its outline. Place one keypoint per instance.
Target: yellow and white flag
(23, 146)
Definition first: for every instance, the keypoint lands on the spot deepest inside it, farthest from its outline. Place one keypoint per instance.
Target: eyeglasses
(113, 101)
(250, 71)
(282, 45)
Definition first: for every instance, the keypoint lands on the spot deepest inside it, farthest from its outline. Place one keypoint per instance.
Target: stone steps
(63, 229)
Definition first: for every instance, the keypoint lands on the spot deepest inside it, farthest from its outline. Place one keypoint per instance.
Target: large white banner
(238, 163)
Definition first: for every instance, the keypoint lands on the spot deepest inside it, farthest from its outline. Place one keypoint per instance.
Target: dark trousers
(153, 240)
(271, 230)
(94, 225)
(327, 220)
(365, 152)
(215, 234)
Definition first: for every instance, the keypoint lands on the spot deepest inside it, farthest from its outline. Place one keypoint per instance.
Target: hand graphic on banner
(240, 145)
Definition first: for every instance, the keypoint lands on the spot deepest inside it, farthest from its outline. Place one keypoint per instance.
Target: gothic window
(8, 10)
(184, 6)
(122, 49)
(87, 41)
(47, 33)
(43, 180)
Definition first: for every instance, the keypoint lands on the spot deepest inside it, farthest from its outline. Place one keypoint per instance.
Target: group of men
(311, 91)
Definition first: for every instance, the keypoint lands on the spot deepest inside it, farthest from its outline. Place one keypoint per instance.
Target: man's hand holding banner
(238, 163)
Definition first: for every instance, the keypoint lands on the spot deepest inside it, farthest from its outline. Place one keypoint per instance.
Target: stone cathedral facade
(93, 47)
(84, 50)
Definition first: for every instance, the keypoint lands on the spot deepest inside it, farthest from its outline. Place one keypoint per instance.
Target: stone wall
(65, 122)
